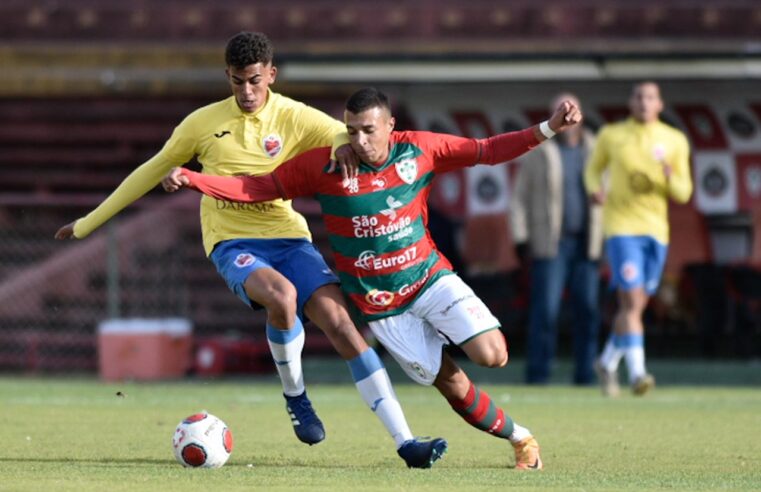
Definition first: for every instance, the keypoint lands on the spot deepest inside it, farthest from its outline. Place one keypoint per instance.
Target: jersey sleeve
(452, 152)
(316, 129)
(680, 184)
(299, 176)
(179, 149)
(234, 188)
(597, 163)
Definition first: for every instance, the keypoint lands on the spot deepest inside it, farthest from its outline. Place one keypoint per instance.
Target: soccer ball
(202, 440)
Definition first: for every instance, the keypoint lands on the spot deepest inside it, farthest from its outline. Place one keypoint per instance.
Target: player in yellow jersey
(648, 164)
(266, 257)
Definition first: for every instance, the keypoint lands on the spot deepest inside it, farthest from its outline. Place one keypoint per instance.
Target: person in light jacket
(556, 225)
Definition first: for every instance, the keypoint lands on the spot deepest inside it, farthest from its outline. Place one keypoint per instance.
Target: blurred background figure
(560, 231)
(648, 164)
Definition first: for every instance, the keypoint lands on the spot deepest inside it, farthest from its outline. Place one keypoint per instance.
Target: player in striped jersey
(264, 252)
(388, 264)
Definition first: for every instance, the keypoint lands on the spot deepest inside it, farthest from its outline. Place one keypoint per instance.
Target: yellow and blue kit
(635, 212)
(637, 193)
(231, 142)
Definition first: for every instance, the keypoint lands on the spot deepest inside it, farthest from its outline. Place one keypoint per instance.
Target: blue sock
(629, 340)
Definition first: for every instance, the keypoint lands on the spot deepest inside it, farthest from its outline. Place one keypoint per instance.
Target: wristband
(544, 127)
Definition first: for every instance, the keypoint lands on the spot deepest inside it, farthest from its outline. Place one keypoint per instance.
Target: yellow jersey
(633, 153)
(230, 142)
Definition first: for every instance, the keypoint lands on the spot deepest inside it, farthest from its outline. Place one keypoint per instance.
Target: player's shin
(286, 347)
(478, 409)
(612, 353)
(634, 355)
(374, 385)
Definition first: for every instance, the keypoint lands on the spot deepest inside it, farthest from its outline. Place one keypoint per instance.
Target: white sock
(374, 386)
(519, 433)
(635, 362)
(286, 346)
(611, 355)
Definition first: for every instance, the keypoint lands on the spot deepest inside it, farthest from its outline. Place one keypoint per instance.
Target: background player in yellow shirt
(265, 255)
(647, 163)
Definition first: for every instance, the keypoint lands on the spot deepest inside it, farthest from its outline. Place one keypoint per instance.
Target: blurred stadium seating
(90, 89)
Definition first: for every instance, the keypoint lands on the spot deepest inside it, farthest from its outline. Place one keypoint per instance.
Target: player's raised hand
(565, 116)
(174, 180)
(347, 160)
(66, 232)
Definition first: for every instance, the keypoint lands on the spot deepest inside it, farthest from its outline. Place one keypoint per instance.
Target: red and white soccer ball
(202, 441)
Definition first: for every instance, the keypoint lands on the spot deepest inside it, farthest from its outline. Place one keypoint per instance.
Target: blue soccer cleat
(306, 423)
(422, 454)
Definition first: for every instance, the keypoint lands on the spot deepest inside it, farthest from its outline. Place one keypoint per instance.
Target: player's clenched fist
(174, 180)
(565, 116)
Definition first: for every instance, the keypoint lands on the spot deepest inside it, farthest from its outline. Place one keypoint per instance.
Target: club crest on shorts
(380, 298)
(629, 271)
(418, 369)
(244, 259)
(273, 144)
(407, 170)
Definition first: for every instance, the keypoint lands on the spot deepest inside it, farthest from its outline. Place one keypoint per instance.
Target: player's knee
(279, 301)
(497, 359)
(493, 355)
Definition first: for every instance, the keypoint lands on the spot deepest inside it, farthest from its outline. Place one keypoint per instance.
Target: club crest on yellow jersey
(272, 144)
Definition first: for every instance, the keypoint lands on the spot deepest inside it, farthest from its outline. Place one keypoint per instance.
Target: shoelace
(305, 414)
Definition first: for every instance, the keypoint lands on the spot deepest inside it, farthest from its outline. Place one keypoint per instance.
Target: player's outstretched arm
(456, 152)
(177, 150)
(299, 176)
(508, 146)
(249, 189)
(139, 182)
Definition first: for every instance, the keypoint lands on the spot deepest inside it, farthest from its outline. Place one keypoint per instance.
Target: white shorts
(448, 310)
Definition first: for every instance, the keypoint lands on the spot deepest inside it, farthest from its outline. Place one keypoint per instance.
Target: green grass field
(76, 434)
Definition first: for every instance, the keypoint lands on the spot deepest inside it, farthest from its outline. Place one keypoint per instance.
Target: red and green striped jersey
(377, 222)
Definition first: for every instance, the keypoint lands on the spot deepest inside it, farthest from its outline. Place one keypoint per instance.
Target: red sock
(478, 409)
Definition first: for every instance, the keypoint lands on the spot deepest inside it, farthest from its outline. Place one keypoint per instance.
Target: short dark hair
(367, 98)
(248, 48)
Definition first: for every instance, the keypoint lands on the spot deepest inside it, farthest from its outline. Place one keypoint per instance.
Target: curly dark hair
(367, 98)
(248, 48)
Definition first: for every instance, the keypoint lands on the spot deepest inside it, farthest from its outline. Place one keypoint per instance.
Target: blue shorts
(635, 261)
(296, 259)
